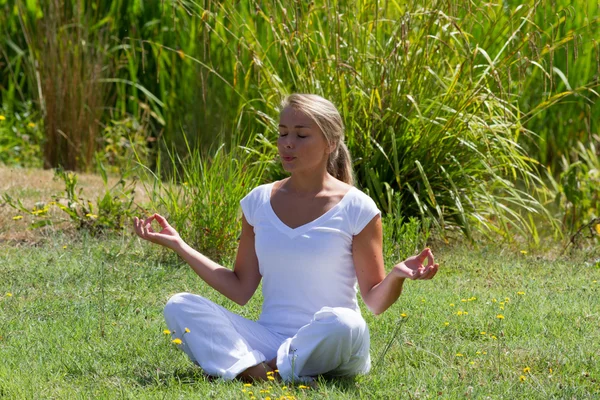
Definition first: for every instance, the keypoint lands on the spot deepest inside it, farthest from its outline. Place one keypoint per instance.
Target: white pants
(224, 344)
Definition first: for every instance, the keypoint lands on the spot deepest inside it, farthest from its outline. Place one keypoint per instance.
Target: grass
(85, 321)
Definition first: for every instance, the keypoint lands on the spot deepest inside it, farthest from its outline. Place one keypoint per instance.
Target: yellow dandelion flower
(403, 315)
(494, 300)
(483, 333)
(276, 370)
(303, 387)
(550, 369)
(500, 316)
(8, 294)
(526, 370)
(502, 308)
(65, 246)
(31, 125)
(451, 304)
(446, 323)
(459, 313)
(520, 293)
(247, 384)
(92, 216)
(523, 252)
(522, 378)
(271, 378)
(493, 337)
(472, 363)
(244, 390)
(187, 330)
(506, 299)
(167, 332)
(597, 229)
(463, 300)
(2, 117)
(477, 352)
(484, 352)
(177, 341)
(17, 217)
(501, 303)
(284, 388)
(270, 373)
(466, 313)
(594, 281)
(459, 355)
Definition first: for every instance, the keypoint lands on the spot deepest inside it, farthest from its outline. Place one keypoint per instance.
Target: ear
(331, 148)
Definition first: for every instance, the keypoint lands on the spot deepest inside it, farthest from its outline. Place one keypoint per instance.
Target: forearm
(385, 293)
(218, 277)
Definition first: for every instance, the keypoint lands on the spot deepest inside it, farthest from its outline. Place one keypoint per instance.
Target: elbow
(241, 299)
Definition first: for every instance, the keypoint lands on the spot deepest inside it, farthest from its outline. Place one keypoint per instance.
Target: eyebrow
(296, 126)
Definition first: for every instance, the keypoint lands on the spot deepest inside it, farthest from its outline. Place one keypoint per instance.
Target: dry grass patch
(33, 186)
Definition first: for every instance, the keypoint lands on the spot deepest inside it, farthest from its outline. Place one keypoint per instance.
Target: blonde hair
(329, 120)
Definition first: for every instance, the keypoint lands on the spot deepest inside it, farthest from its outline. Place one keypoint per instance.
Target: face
(301, 144)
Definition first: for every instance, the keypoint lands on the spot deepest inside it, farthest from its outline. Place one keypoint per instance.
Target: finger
(149, 228)
(137, 227)
(430, 260)
(424, 255)
(149, 220)
(161, 220)
(431, 271)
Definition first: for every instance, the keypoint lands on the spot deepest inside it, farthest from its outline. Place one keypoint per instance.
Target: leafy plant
(201, 196)
(110, 212)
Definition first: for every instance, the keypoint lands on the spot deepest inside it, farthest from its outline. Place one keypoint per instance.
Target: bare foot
(256, 373)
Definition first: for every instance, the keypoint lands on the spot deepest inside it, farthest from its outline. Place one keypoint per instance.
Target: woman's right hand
(167, 237)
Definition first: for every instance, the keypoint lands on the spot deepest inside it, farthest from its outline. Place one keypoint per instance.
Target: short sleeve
(252, 201)
(363, 211)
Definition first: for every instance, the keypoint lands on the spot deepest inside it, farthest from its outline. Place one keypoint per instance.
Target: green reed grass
(449, 106)
(200, 196)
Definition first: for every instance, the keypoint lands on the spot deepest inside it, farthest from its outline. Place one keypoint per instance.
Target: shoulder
(260, 191)
(361, 209)
(253, 201)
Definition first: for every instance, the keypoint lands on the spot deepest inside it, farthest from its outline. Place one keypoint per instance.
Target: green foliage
(450, 106)
(110, 212)
(20, 137)
(201, 197)
(578, 189)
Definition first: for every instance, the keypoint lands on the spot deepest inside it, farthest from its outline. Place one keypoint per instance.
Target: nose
(286, 142)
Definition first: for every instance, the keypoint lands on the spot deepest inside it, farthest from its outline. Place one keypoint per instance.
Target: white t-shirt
(309, 267)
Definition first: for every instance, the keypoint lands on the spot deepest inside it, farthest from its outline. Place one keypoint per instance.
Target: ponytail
(340, 164)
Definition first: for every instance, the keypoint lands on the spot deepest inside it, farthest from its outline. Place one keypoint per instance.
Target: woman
(311, 238)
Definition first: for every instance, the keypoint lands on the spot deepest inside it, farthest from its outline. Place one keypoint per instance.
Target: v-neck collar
(293, 232)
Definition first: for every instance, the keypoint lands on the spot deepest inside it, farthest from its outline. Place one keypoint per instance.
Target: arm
(379, 291)
(238, 285)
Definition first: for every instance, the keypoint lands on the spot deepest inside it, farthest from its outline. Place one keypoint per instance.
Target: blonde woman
(311, 238)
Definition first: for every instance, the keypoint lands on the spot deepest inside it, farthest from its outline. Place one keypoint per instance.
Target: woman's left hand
(413, 268)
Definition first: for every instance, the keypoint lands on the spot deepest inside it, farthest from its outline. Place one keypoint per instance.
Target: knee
(343, 322)
(178, 301)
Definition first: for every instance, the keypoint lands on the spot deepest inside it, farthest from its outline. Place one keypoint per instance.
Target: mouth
(287, 158)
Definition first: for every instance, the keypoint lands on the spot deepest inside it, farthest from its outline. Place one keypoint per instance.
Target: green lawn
(83, 319)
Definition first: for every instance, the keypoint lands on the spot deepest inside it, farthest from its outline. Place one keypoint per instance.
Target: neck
(308, 182)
